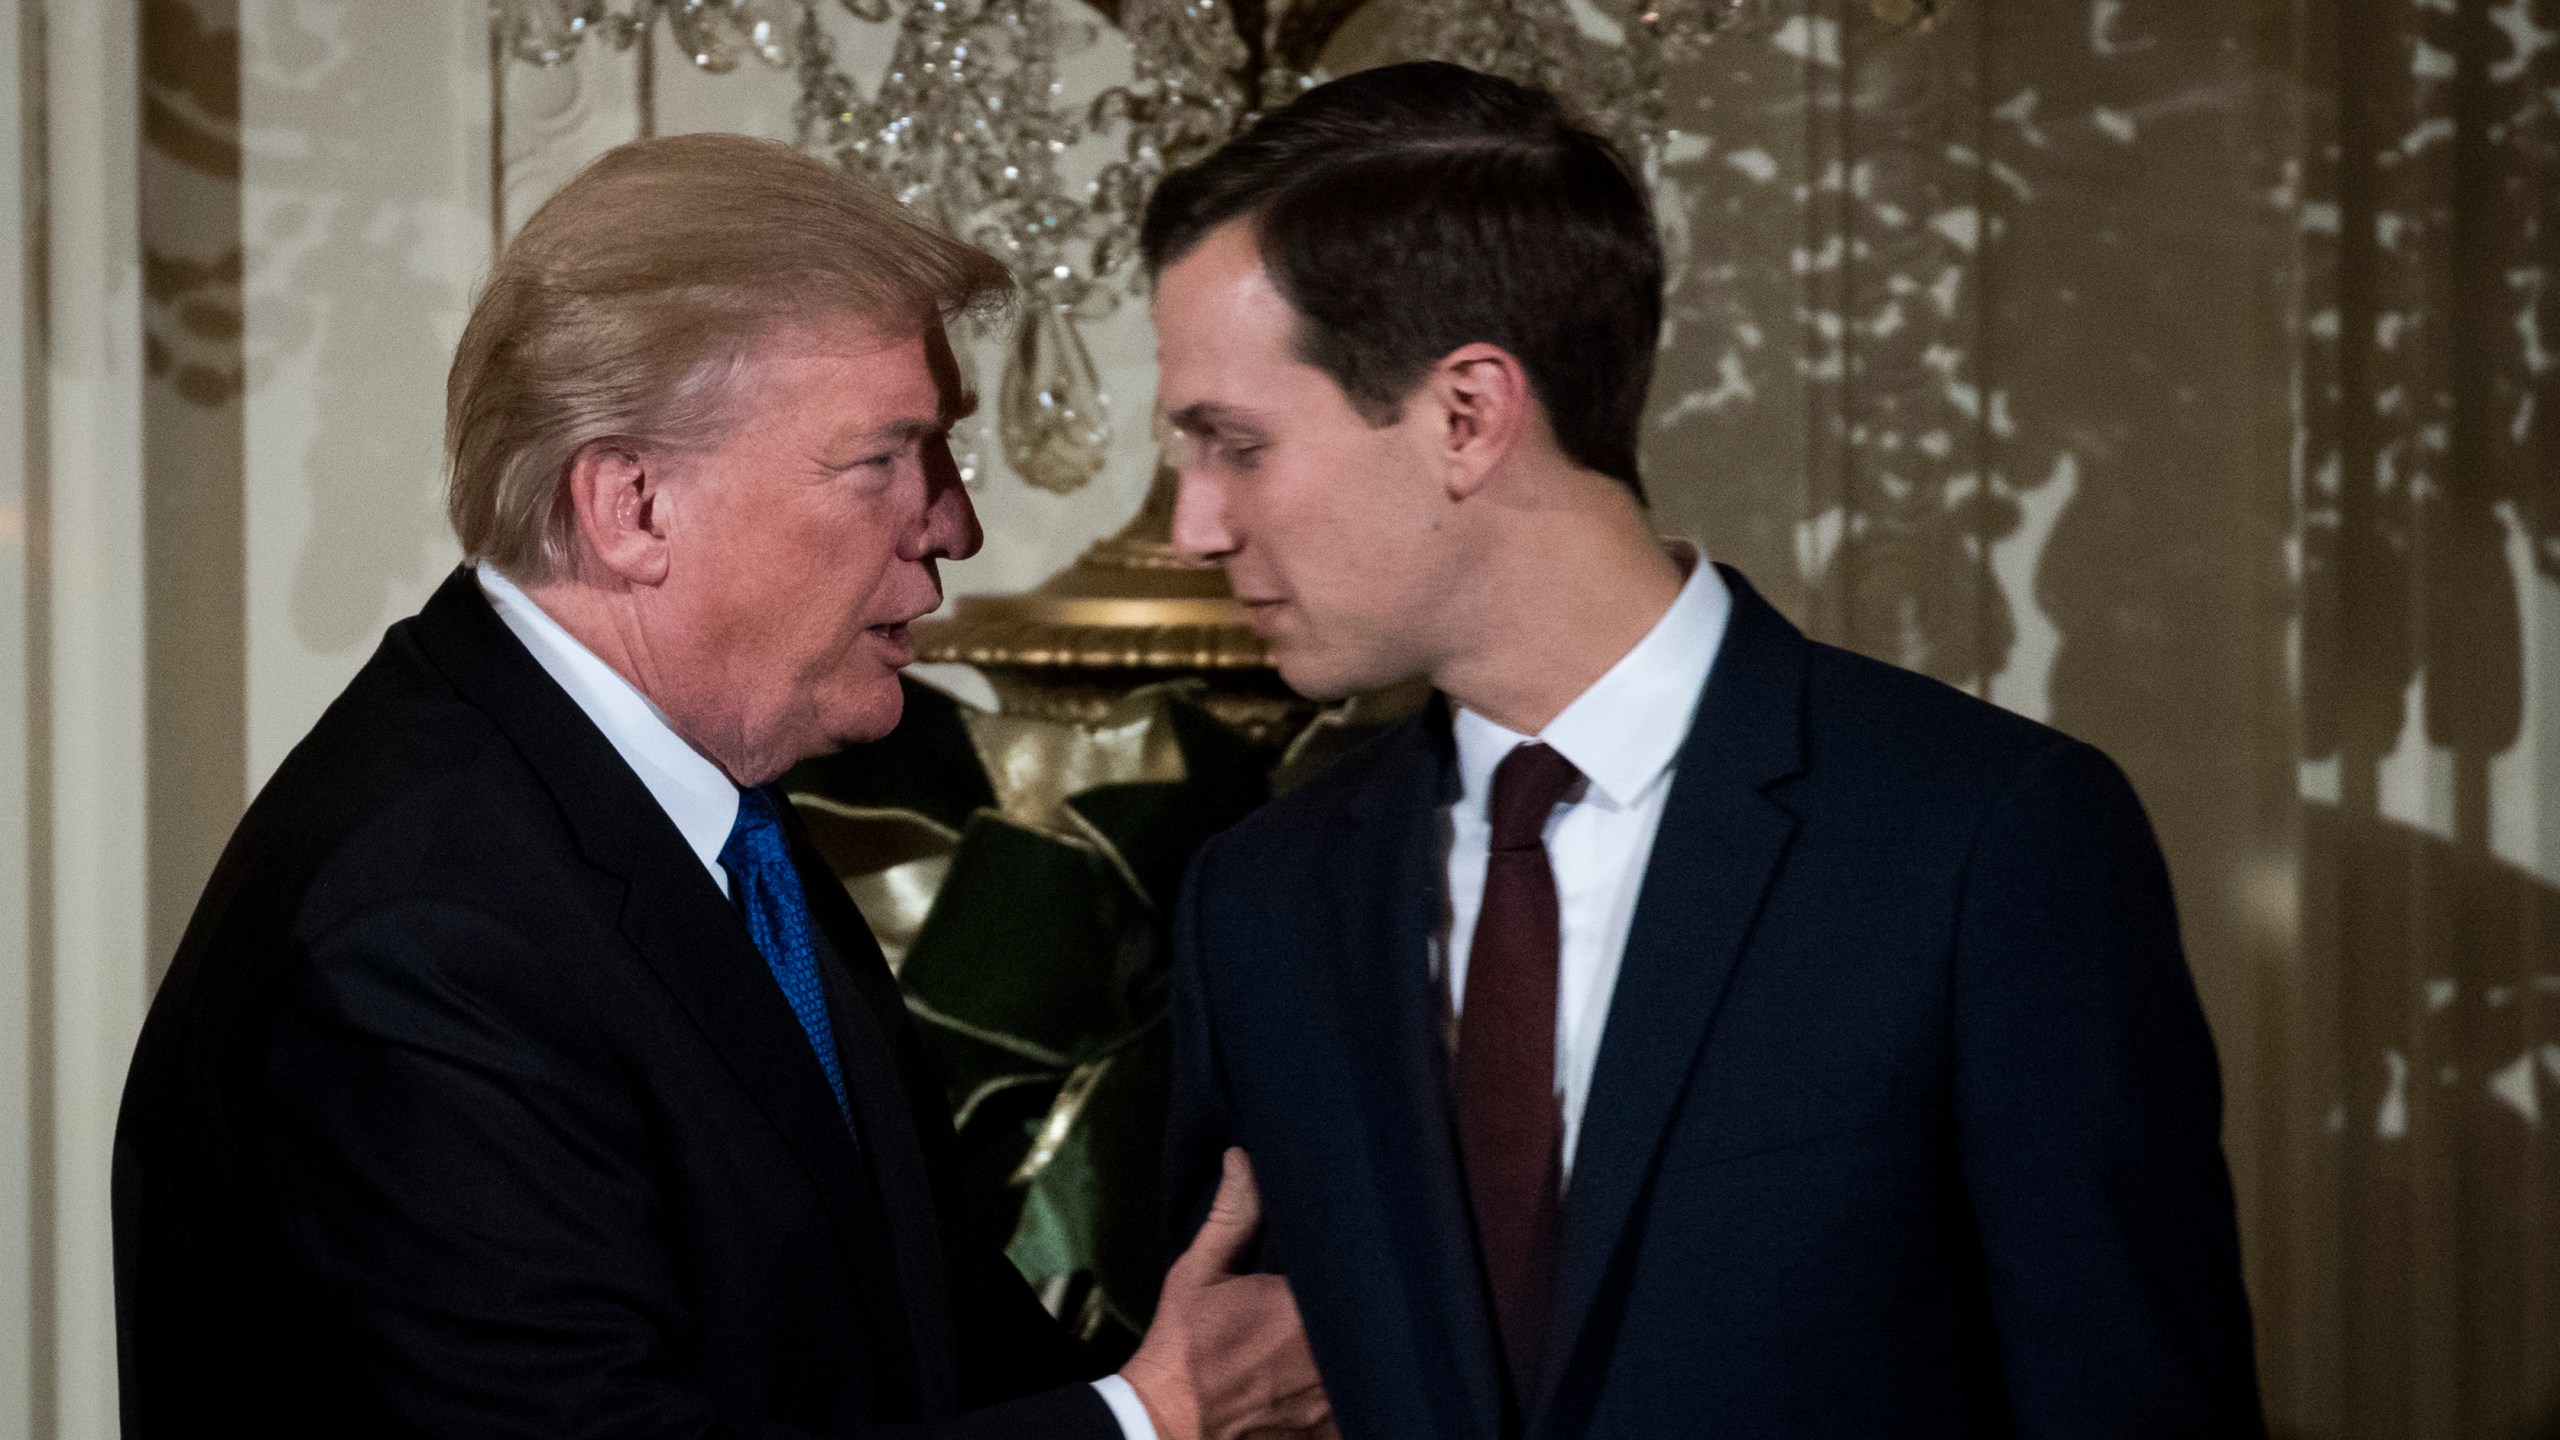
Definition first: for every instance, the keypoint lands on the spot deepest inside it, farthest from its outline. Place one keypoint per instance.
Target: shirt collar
(1624, 731)
(693, 792)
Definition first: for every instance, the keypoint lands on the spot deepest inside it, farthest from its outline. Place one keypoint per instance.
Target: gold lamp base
(1130, 612)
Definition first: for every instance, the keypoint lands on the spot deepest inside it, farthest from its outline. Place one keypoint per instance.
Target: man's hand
(1227, 1355)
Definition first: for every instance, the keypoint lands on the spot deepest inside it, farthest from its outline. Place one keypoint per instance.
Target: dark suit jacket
(1905, 1121)
(468, 1108)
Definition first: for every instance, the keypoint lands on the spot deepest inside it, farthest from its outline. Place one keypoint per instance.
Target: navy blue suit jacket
(468, 1108)
(1905, 1119)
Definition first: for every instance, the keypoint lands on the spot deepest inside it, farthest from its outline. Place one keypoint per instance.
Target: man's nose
(1200, 528)
(951, 530)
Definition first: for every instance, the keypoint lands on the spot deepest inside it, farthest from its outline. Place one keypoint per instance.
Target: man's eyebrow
(961, 407)
(1208, 417)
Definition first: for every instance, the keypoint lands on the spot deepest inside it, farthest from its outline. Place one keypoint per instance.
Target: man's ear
(1484, 409)
(620, 501)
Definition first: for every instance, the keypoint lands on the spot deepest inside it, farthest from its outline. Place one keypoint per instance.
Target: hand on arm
(1227, 1355)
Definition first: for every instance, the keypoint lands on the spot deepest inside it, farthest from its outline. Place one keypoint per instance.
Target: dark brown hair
(1411, 209)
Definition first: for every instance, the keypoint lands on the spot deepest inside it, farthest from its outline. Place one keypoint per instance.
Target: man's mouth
(901, 644)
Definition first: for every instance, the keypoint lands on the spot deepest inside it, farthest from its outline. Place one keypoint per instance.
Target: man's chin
(1327, 678)
(852, 716)
(874, 714)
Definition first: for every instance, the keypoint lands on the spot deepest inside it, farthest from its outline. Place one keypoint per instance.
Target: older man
(523, 1073)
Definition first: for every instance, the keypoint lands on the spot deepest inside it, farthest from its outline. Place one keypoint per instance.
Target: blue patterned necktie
(767, 888)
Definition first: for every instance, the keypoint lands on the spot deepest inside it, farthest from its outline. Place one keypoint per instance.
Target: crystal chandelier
(969, 123)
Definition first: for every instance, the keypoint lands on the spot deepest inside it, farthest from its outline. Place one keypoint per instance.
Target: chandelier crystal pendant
(545, 32)
(969, 123)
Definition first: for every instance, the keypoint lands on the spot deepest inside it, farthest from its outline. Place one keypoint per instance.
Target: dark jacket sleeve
(1198, 1129)
(2088, 1120)
(462, 1172)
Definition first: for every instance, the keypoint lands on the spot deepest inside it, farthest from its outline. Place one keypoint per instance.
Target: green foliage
(1038, 975)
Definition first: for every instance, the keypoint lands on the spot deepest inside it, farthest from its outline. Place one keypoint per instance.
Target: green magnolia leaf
(969, 1064)
(1055, 1235)
(892, 862)
(992, 1143)
(1036, 971)
(1123, 1123)
(865, 839)
(1094, 1203)
(1148, 828)
(1153, 828)
(1024, 943)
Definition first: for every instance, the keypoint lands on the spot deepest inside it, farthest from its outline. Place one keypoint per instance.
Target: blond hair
(628, 302)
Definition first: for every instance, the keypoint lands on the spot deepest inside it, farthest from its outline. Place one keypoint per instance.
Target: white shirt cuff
(1126, 1407)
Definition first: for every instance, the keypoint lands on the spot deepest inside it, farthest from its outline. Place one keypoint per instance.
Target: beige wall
(364, 208)
(74, 956)
(20, 758)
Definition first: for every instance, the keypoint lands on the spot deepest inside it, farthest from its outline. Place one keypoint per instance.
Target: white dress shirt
(1623, 735)
(692, 790)
(686, 785)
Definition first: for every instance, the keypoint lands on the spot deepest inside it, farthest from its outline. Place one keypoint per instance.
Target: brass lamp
(1129, 612)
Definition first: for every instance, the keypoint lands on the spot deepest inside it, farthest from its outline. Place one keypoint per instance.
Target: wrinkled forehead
(851, 378)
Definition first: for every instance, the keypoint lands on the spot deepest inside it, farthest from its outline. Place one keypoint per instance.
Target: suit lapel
(673, 914)
(1720, 843)
(1381, 868)
(869, 1014)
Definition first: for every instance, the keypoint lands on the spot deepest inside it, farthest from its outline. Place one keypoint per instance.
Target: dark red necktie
(1510, 1123)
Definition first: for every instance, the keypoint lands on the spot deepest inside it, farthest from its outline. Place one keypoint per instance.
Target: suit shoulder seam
(2030, 766)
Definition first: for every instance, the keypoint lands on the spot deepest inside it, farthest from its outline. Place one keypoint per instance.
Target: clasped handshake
(1227, 1355)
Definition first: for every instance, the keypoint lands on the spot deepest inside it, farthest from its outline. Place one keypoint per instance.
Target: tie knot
(1526, 786)
(756, 837)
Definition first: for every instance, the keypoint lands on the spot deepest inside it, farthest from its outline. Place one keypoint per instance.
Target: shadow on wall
(365, 243)
(2285, 315)
(2185, 375)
